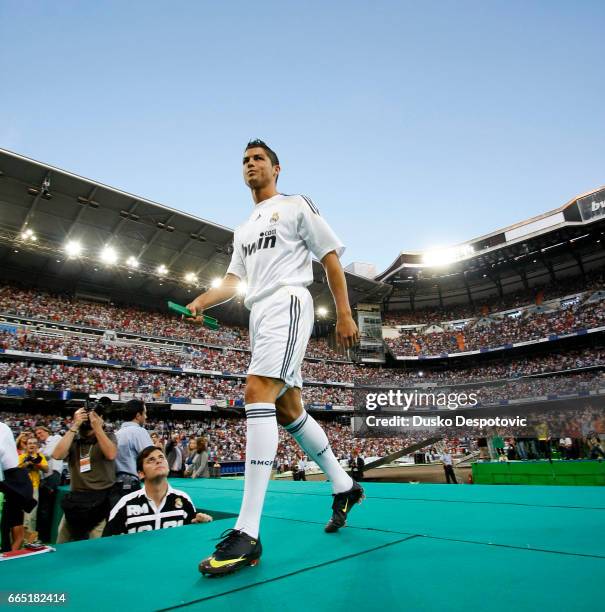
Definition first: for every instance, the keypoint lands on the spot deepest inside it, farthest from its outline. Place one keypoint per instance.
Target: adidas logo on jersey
(266, 240)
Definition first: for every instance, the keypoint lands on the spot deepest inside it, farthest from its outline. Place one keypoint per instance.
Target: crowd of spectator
(504, 368)
(159, 385)
(143, 354)
(193, 354)
(573, 384)
(496, 331)
(44, 306)
(128, 353)
(582, 422)
(164, 387)
(423, 316)
(236, 362)
(64, 309)
(480, 332)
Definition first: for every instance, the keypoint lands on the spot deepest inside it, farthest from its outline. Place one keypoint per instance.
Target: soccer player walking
(272, 254)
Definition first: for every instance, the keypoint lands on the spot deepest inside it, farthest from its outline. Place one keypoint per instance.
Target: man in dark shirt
(357, 465)
(91, 454)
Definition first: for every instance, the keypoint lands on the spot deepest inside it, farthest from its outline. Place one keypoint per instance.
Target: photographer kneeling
(91, 457)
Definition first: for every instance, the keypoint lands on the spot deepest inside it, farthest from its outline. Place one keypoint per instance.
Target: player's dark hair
(263, 145)
(132, 408)
(144, 454)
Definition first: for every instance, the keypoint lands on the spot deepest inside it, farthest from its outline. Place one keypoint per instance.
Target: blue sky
(411, 124)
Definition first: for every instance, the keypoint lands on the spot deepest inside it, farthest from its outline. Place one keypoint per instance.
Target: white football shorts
(280, 327)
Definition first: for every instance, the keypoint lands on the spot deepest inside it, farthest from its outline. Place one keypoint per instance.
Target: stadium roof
(562, 242)
(56, 206)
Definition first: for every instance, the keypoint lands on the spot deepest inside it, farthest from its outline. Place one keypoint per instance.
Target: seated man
(157, 505)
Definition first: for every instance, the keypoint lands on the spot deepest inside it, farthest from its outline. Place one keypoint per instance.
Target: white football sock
(261, 447)
(313, 440)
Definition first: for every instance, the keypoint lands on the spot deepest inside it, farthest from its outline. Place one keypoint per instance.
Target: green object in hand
(209, 322)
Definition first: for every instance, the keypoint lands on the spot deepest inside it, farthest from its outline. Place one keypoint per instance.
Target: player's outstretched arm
(347, 334)
(217, 295)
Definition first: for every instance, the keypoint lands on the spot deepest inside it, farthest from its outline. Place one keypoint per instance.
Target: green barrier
(570, 473)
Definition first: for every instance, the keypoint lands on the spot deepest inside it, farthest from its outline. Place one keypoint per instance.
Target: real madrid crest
(178, 502)
(274, 217)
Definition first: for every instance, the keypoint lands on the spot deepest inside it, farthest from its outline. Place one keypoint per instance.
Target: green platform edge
(567, 473)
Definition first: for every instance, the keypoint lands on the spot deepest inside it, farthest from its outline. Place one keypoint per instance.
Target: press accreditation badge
(84, 465)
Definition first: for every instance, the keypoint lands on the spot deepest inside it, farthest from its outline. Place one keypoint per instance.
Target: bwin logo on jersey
(266, 240)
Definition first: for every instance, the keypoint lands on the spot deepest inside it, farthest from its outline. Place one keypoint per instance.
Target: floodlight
(73, 248)
(443, 257)
(109, 255)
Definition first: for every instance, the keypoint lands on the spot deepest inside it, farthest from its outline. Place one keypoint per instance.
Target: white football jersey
(273, 247)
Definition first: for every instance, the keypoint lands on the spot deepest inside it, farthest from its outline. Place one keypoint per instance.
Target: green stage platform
(540, 472)
(423, 547)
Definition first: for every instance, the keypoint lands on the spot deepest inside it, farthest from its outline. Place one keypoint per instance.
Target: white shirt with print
(273, 248)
